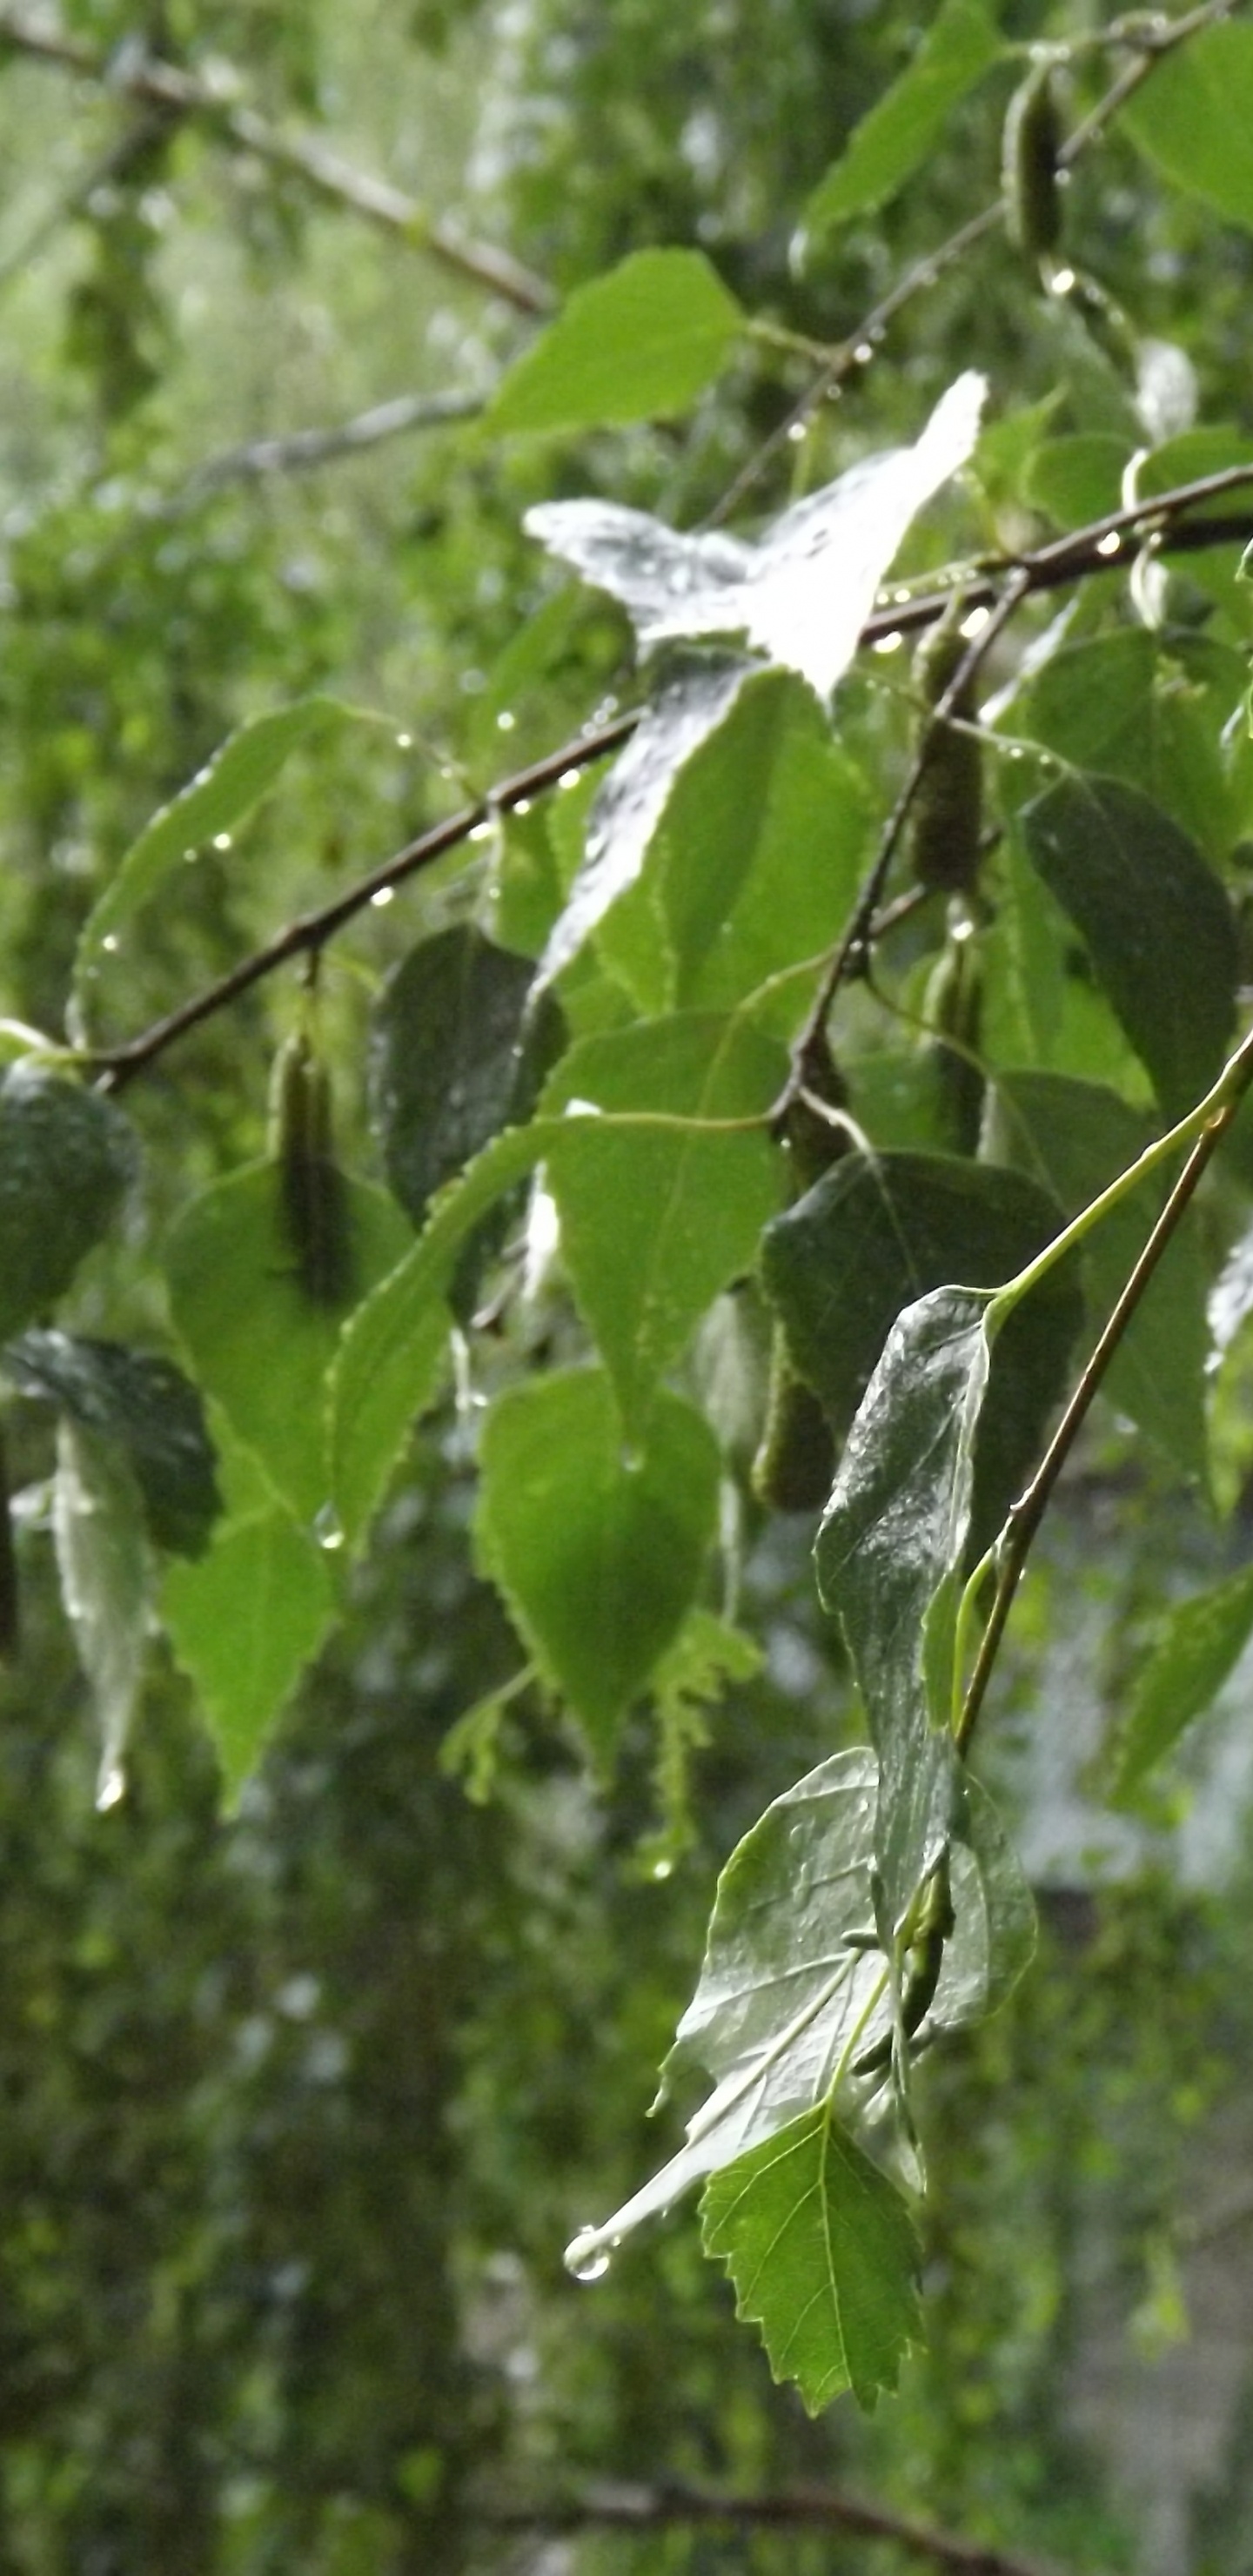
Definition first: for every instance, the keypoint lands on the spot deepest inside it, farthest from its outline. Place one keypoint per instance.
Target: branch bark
(664, 2508)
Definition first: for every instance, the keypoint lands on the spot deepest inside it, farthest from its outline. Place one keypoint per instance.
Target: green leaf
(878, 1231)
(1156, 922)
(148, 1408)
(218, 798)
(1117, 705)
(959, 46)
(450, 1060)
(106, 1583)
(256, 1342)
(824, 2257)
(1194, 119)
(993, 1939)
(727, 892)
(656, 1218)
(1076, 479)
(1198, 1646)
(638, 344)
(243, 1623)
(67, 1159)
(596, 1548)
(1075, 1137)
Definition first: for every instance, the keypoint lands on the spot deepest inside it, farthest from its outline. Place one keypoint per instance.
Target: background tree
(345, 1924)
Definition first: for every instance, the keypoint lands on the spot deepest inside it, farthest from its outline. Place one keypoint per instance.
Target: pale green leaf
(1198, 1646)
(637, 344)
(596, 1547)
(959, 46)
(243, 1623)
(1194, 119)
(824, 2257)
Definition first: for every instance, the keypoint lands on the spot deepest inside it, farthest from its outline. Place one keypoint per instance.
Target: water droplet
(569, 778)
(328, 1529)
(1110, 545)
(110, 1788)
(481, 832)
(587, 2256)
(862, 354)
(506, 720)
(523, 805)
(223, 841)
(404, 742)
(798, 430)
(889, 643)
(380, 901)
(110, 943)
(663, 1869)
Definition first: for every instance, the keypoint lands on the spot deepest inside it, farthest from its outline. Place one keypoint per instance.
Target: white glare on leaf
(801, 594)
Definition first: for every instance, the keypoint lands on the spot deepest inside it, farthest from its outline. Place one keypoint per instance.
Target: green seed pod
(9, 1618)
(1029, 165)
(795, 1464)
(952, 1008)
(312, 1194)
(946, 819)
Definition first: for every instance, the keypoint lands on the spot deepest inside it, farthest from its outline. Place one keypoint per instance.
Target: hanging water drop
(587, 2257)
(328, 1529)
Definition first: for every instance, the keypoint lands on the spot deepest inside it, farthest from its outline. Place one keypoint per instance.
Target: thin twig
(1011, 1550)
(1151, 45)
(299, 451)
(661, 2508)
(163, 85)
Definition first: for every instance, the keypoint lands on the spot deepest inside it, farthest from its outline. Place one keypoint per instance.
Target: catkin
(312, 1195)
(1030, 164)
(946, 819)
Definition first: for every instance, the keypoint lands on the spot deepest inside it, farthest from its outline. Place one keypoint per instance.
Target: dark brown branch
(1070, 558)
(1019, 1533)
(663, 2508)
(215, 104)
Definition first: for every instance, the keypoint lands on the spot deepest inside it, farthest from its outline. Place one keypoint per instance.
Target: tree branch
(215, 104)
(663, 2508)
(299, 451)
(1086, 551)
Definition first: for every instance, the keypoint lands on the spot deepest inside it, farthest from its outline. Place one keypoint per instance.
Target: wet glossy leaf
(148, 1408)
(1156, 922)
(993, 1938)
(67, 1159)
(256, 1342)
(804, 592)
(824, 2257)
(1075, 1137)
(596, 1548)
(639, 343)
(958, 46)
(106, 1583)
(656, 1218)
(450, 1059)
(243, 1623)
(1198, 1646)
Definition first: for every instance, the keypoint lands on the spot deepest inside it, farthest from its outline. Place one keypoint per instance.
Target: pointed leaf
(804, 593)
(1076, 1137)
(256, 1341)
(1198, 1646)
(243, 1623)
(1194, 119)
(897, 135)
(450, 1061)
(1116, 706)
(106, 1582)
(597, 1549)
(993, 1938)
(824, 2257)
(637, 344)
(655, 1219)
(1156, 921)
(630, 803)
(149, 1408)
(67, 1158)
(219, 797)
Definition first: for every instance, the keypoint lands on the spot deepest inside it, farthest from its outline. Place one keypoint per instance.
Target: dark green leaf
(1198, 1645)
(596, 1548)
(106, 1582)
(1116, 705)
(67, 1158)
(994, 1930)
(243, 1623)
(824, 2257)
(1194, 119)
(890, 143)
(1156, 922)
(1077, 479)
(656, 1218)
(256, 1342)
(1075, 1137)
(148, 1408)
(638, 344)
(450, 1061)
